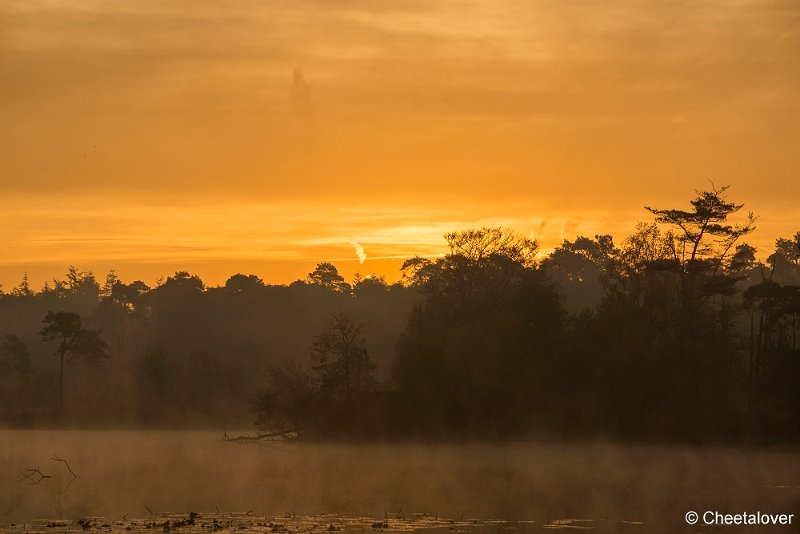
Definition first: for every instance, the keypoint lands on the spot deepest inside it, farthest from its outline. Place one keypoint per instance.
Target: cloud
(362, 256)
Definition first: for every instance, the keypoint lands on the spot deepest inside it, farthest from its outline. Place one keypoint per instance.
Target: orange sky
(155, 135)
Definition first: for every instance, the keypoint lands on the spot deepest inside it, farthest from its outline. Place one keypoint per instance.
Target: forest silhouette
(676, 333)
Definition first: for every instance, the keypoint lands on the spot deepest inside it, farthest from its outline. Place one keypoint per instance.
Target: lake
(143, 479)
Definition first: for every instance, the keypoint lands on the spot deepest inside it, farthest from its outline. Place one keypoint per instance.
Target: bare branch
(32, 473)
(265, 435)
(74, 476)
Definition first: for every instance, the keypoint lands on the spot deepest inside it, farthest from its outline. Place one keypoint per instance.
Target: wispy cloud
(362, 256)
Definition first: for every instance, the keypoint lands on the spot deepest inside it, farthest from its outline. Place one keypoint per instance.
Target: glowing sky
(265, 136)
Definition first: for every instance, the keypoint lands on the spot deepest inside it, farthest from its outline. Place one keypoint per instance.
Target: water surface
(134, 478)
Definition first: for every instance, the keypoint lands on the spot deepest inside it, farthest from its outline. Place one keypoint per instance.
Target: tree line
(678, 332)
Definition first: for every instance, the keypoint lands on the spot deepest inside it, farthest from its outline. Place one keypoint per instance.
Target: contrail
(362, 256)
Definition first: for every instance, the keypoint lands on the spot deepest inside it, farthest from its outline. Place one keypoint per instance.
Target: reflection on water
(132, 479)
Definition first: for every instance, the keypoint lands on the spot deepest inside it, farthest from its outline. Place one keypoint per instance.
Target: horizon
(351, 258)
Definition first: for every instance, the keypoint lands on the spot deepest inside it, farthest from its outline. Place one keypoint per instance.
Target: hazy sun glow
(263, 137)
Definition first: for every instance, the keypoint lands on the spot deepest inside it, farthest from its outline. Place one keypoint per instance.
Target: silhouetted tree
(129, 297)
(240, 283)
(156, 382)
(54, 292)
(743, 258)
(332, 401)
(74, 341)
(703, 232)
(479, 350)
(327, 275)
(342, 364)
(789, 248)
(23, 289)
(178, 307)
(122, 302)
(578, 267)
(369, 285)
(289, 404)
(774, 357)
(14, 356)
(700, 245)
(83, 284)
(631, 340)
(108, 285)
(182, 283)
(16, 391)
(669, 301)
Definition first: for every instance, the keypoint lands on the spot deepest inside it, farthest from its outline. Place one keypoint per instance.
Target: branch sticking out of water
(55, 458)
(282, 434)
(31, 474)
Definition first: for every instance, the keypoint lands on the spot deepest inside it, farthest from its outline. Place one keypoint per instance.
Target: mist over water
(127, 472)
